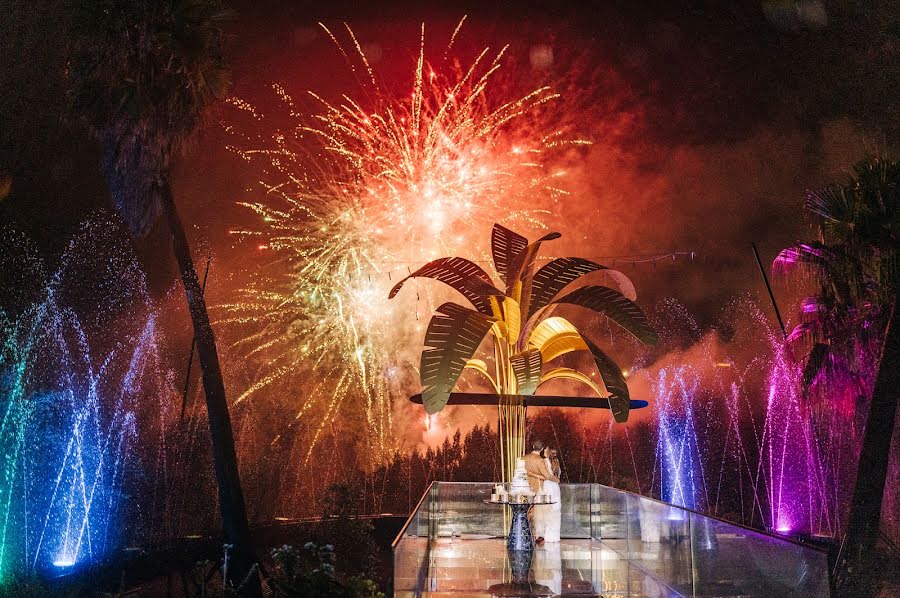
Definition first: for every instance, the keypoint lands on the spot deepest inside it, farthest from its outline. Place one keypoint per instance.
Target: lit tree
(856, 261)
(140, 78)
(524, 339)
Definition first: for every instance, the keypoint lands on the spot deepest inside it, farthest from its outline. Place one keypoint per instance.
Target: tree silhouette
(856, 260)
(141, 75)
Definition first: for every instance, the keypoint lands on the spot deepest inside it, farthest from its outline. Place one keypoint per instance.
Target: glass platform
(614, 543)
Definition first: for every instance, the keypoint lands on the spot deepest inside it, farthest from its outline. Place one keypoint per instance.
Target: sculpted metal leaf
(512, 317)
(452, 338)
(466, 277)
(554, 276)
(455, 332)
(616, 307)
(527, 369)
(555, 336)
(570, 374)
(505, 248)
(522, 268)
(619, 399)
(480, 366)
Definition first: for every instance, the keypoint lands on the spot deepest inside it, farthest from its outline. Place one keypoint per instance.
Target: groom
(537, 472)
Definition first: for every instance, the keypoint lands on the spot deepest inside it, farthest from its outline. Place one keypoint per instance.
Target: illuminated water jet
(682, 480)
(746, 439)
(68, 425)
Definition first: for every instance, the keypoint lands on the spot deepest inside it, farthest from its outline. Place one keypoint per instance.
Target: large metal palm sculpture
(525, 341)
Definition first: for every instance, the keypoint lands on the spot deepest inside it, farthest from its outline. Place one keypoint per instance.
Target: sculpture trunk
(236, 529)
(854, 573)
(510, 413)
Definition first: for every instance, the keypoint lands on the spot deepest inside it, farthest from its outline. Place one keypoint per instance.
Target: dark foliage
(856, 262)
(140, 77)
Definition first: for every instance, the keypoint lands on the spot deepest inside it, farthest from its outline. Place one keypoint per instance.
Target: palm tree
(524, 338)
(856, 260)
(140, 76)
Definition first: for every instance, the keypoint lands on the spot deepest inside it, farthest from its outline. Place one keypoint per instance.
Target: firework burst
(354, 192)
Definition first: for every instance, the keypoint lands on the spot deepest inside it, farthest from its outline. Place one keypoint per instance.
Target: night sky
(708, 122)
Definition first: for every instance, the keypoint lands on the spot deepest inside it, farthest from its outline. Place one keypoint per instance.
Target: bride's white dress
(547, 517)
(547, 567)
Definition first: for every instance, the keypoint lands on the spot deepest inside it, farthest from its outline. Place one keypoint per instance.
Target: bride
(551, 514)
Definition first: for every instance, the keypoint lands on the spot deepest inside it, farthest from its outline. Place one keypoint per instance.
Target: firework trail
(353, 193)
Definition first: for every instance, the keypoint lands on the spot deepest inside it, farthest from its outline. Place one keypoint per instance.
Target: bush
(291, 576)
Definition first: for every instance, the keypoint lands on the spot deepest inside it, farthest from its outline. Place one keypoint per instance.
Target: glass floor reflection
(614, 544)
(480, 567)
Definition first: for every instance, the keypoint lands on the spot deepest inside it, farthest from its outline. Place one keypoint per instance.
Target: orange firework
(356, 191)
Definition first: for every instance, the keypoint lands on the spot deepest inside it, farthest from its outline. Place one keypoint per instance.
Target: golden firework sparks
(355, 191)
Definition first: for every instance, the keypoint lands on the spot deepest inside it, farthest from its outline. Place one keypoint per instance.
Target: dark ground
(362, 547)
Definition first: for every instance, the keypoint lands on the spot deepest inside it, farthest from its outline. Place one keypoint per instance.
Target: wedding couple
(542, 466)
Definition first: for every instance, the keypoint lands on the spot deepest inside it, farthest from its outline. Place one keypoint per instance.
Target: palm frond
(833, 265)
(526, 367)
(814, 363)
(140, 78)
(833, 205)
(570, 374)
(521, 270)
(616, 307)
(611, 374)
(812, 255)
(555, 336)
(466, 277)
(480, 366)
(512, 317)
(452, 338)
(557, 274)
(505, 248)
(856, 261)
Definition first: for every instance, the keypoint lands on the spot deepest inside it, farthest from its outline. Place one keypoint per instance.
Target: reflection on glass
(614, 544)
(547, 567)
